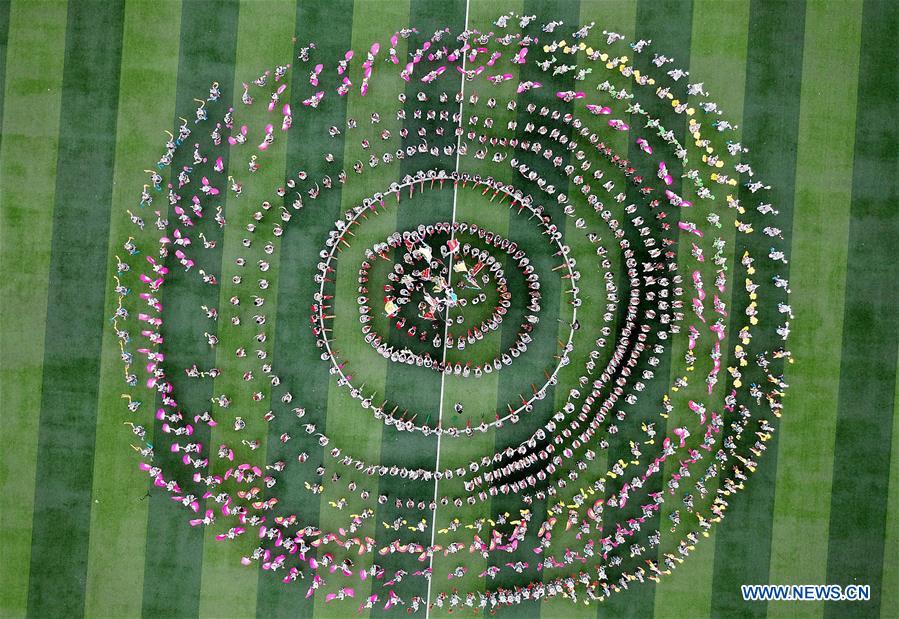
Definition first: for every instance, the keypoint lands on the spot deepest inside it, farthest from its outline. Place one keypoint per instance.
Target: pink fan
(598, 109)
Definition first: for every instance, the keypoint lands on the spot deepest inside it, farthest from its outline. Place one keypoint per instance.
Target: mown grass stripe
(32, 89)
(621, 18)
(417, 389)
(475, 394)
(771, 108)
(174, 554)
(298, 258)
(4, 42)
(717, 59)
(889, 596)
(669, 26)
(264, 40)
(355, 431)
(74, 323)
(818, 279)
(616, 17)
(119, 513)
(515, 383)
(868, 370)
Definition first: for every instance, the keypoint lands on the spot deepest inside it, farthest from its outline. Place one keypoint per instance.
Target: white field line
(449, 278)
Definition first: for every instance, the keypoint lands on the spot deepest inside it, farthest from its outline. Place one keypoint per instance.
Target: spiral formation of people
(506, 209)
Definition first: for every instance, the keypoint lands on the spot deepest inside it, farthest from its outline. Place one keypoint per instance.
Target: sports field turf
(87, 88)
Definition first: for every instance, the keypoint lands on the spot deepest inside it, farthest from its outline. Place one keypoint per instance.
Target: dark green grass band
(669, 25)
(540, 352)
(75, 322)
(174, 550)
(294, 340)
(770, 128)
(862, 459)
(416, 388)
(4, 44)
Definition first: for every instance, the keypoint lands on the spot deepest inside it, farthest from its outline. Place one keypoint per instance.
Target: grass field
(87, 88)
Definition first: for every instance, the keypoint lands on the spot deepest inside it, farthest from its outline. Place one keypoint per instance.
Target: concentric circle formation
(421, 298)
(440, 307)
(547, 350)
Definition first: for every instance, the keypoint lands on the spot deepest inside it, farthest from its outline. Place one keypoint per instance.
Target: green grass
(202, 59)
(862, 459)
(87, 89)
(718, 53)
(75, 322)
(889, 600)
(823, 196)
(118, 514)
(771, 106)
(263, 40)
(30, 120)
